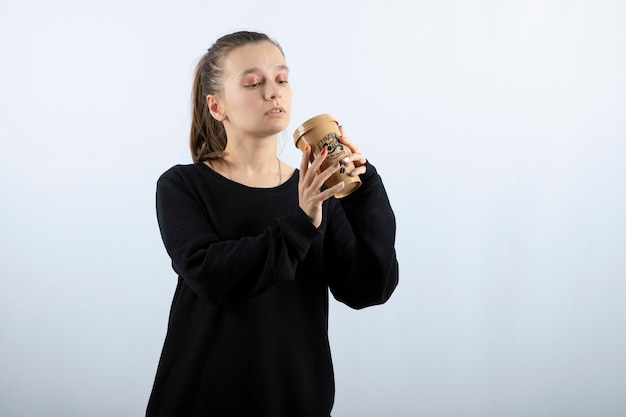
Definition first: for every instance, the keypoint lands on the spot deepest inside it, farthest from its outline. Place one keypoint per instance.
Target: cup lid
(309, 124)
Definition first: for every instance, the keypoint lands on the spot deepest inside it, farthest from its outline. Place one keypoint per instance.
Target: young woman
(256, 245)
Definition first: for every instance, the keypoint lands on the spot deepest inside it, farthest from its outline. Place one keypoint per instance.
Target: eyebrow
(257, 69)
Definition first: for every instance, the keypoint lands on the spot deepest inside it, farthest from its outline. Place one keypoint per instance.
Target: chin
(282, 124)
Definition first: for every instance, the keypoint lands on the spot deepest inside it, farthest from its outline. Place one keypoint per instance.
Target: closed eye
(252, 81)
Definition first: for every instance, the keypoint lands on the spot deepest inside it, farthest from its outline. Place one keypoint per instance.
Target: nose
(272, 95)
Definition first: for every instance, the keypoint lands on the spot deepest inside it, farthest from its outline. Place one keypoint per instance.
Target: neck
(254, 156)
(253, 163)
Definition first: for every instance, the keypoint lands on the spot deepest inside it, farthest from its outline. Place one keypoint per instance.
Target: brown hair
(207, 139)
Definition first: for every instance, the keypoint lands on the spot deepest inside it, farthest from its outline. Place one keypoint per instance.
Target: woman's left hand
(356, 157)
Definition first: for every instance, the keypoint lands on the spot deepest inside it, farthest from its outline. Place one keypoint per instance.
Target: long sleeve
(360, 245)
(248, 326)
(217, 267)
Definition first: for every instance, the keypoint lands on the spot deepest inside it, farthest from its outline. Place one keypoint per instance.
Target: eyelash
(259, 83)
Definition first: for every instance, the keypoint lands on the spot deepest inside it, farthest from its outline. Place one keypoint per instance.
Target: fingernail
(341, 184)
(336, 164)
(306, 147)
(352, 173)
(345, 159)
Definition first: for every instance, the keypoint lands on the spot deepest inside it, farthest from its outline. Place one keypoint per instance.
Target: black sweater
(248, 327)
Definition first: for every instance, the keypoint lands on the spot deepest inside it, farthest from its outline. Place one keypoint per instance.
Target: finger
(344, 139)
(358, 171)
(355, 156)
(342, 132)
(357, 159)
(321, 177)
(358, 168)
(326, 174)
(304, 164)
(330, 192)
(319, 159)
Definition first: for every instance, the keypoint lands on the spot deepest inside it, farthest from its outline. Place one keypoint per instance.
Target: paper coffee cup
(321, 132)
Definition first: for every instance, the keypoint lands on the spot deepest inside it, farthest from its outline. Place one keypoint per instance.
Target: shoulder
(183, 172)
(186, 179)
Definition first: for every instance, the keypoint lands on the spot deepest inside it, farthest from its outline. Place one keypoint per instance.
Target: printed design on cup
(334, 148)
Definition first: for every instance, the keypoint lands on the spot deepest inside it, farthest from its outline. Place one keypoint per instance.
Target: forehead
(264, 56)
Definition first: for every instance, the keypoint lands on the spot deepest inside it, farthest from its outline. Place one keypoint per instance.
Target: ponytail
(207, 139)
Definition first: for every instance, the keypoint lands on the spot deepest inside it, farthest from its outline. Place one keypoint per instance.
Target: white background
(498, 128)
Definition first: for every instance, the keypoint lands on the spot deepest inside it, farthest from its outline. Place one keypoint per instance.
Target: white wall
(499, 130)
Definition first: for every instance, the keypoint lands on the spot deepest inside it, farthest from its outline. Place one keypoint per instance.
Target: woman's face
(256, 96)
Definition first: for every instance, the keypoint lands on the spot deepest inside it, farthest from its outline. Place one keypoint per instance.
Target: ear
(215, 108)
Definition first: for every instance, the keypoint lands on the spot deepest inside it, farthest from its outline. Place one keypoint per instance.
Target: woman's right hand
(309, 186)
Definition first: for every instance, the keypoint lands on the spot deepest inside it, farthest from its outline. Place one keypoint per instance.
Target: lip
(275, 111)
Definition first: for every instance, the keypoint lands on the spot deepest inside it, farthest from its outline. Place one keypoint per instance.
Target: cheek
(239, 103)
(287, 97)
